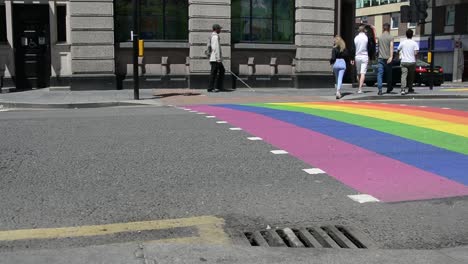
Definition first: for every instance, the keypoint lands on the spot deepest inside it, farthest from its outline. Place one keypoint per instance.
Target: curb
(69, 106)
(408, 97)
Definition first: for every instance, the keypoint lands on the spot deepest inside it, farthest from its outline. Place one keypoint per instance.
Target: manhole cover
(310, 237)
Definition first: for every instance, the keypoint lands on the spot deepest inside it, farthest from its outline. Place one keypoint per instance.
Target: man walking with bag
(385, 59)
(216, 61)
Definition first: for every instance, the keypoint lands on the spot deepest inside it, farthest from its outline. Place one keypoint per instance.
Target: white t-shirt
(216, 53)
(361, 41)
(407, 50)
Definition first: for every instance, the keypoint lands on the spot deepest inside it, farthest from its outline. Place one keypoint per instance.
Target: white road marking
(221, 122)
(446, 108)
(200, 113)
(279, 152)
(211, 117)
(192, 111)
(363, 198)
(235, 128)
(186, 109)
(422, 106)
(314, 171)
(254, 138)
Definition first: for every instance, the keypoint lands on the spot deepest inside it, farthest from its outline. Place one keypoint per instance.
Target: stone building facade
(86, 43)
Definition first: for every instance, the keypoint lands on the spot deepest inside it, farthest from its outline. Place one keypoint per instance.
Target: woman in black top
(338, 60)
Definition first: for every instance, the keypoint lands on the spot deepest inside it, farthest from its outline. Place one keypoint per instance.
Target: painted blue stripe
(451, 165)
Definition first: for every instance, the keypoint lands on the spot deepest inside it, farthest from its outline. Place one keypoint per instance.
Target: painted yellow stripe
(447, 127)
(210, 230)
(455, 89)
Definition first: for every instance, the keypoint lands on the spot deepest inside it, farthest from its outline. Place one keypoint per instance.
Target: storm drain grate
(311, 237)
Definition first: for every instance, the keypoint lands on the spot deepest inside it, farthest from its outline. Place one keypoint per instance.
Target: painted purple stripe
(367, 172)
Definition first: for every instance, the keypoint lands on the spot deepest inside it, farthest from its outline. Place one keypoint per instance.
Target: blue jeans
(386, 68)
(339, 69)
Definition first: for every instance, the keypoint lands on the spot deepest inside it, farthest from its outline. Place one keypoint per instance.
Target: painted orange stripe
(414, 112)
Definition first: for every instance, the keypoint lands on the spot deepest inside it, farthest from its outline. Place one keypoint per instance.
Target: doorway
(347, 31)
(31, 38)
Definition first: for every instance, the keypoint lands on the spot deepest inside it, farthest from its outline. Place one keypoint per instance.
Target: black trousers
(217, 76)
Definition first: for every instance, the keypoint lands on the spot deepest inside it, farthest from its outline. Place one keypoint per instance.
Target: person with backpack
(215, 55)
(338, 60)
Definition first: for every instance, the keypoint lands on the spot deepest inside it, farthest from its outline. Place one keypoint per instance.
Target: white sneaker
(359, 92)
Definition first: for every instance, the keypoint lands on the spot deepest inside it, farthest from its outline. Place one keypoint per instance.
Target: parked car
(422, 75)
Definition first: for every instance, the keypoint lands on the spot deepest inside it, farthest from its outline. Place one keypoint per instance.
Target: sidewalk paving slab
(44, 98)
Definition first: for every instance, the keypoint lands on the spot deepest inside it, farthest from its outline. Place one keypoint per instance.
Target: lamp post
(432, 44)
(135, 38)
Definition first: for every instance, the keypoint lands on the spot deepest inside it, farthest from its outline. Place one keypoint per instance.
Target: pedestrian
(386, 45)
(361, 58)
(216, 61)
(408, 50)
(339, 57)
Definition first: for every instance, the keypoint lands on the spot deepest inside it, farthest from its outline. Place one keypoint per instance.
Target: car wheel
(370, 84)
(437, 84)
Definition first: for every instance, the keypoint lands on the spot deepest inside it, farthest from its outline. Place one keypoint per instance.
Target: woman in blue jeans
(339, 57)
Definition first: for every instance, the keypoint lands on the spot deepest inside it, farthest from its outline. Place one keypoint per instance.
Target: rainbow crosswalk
(392, 152)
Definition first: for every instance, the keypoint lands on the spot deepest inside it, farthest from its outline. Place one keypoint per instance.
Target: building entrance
(31, 35)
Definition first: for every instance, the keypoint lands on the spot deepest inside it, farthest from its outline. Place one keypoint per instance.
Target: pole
(432, 44)
(135, 36)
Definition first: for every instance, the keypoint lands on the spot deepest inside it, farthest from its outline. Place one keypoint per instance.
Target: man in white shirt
(361, 58)
(216, 61)
(408, 51)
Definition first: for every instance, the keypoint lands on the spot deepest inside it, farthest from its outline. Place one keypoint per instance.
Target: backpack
(208, 49)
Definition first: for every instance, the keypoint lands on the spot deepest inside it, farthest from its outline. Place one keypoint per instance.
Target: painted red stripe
(367, 172)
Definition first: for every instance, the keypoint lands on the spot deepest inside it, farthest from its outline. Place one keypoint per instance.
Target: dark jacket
(337, 54)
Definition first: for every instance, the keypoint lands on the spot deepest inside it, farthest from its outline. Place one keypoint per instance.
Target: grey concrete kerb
(7, 105)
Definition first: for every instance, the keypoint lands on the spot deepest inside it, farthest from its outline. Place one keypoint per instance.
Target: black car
(421, 77)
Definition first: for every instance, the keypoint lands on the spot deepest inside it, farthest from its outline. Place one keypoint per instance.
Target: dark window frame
(61, 27)
(164, 37)
(273, 19)
(3, 30)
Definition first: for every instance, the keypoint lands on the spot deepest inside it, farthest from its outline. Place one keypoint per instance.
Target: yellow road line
(210, 230)
(455, 89)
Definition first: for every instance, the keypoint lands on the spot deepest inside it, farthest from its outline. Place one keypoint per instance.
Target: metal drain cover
(310, 237)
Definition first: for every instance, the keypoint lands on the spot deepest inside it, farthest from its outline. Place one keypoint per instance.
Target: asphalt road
(62, 168)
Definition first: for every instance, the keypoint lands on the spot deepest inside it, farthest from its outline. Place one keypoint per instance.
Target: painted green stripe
(427, 136)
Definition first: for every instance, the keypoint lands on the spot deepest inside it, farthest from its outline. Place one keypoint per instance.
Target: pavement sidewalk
(156, 253)
(45, 98)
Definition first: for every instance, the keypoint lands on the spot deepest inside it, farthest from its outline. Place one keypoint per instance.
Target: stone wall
(92, 37)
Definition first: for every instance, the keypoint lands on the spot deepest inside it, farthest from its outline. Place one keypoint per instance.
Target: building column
(315, 28)
(9, 54)
(202, 15)
(92, 40)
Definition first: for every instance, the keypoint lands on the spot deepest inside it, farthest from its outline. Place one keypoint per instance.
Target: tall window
(450, 15)
(61, 23)
(3, 34)
(159, 19)
(267, 21)
(395, 23)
